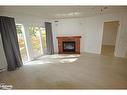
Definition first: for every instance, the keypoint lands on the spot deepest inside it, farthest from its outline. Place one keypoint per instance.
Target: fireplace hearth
(69, 44)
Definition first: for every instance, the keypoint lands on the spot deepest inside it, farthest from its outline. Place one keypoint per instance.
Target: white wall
(95, 33)
(88, 28)
(3, 63)
(68, 27)
(91, 30)
(21, 18)
(110, 33)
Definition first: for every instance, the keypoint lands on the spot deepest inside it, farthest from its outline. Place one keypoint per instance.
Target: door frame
(117, 36)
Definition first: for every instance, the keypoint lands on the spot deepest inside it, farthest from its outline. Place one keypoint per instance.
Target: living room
(62, 47)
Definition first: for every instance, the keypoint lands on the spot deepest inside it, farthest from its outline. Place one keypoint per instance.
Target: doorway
(109, 38)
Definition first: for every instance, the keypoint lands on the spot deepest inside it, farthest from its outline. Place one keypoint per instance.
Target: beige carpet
(85, 71)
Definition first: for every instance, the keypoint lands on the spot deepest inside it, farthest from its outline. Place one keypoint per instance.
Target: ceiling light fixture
(69, 14)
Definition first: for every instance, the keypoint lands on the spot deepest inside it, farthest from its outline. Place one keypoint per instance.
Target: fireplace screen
(69, 46)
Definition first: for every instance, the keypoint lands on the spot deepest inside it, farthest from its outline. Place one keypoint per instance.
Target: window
(21, 42)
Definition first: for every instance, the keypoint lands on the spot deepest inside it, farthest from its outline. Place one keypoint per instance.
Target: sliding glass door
(21, 42)
(32, 43)
(37, 39)
(34, 34)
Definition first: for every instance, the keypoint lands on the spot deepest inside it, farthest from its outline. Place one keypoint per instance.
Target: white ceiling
(57, 12)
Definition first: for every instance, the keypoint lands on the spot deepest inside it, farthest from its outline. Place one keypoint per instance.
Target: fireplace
(69, 44)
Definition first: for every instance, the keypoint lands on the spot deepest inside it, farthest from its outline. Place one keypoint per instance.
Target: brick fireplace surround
(75, 39)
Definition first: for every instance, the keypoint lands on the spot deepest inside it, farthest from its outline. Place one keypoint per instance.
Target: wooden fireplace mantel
(68, 37)
(62, 39)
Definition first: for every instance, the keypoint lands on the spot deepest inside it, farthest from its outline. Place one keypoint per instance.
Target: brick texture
(69, 38)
